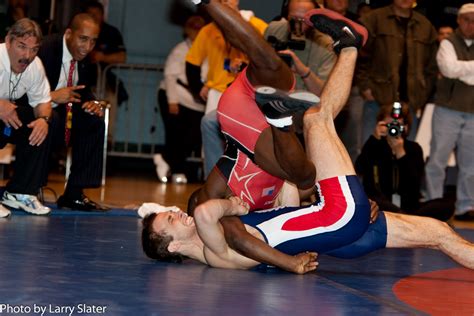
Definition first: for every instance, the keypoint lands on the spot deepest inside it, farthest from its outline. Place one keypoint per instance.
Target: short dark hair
(286, 4)
(155, 244)
(25, 27)
(76, 21)
(386, 110)
(92, 4)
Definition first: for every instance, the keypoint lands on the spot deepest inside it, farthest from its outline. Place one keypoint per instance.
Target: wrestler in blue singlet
(336, 224)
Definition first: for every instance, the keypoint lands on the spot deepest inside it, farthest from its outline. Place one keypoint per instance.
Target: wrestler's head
(23, 41)
(81, 35)
(164, 235)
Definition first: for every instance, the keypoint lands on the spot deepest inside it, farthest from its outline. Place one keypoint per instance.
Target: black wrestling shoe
(466, 217)
(81, 204)
(343, 31)
(279, 106)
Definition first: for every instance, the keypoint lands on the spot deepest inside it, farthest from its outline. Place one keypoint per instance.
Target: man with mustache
(77, 116)
(25, 109)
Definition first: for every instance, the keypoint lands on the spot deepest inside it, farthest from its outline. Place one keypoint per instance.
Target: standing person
(109, 49)
(78, 116)
(181, 113)
(225, 62)
(399, 61)
(25, 111)
(453, 117)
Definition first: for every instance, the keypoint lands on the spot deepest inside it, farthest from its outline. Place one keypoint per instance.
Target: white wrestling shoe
(25, 202)
(150, 208)
(4, 212)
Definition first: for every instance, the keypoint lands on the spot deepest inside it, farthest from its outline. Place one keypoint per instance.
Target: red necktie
(67, 131)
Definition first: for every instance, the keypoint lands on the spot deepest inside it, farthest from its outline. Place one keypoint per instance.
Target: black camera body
(395, 129)
(296, 39)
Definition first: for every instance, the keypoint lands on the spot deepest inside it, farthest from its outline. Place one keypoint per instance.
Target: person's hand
(297, 66)
(367, 95)
(40, 131)
(239, 206)
(173, 108)
(304, 262)
(96, 56)
(8, 114)
(374, 211)
(380, 130)
(67, 94)
(236, 65)
(93, 108)
(204, 92)
(397, 146)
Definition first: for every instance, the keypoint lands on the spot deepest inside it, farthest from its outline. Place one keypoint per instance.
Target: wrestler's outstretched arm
(217, 251)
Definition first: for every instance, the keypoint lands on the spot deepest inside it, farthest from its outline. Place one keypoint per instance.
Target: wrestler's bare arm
(245, 243)
(216, 250)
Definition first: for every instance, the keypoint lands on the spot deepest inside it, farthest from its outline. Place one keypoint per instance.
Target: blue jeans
(212, 141)
(452, 129)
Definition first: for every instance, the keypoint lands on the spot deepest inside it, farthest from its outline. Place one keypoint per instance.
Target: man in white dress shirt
(453, 117)
(25, 109)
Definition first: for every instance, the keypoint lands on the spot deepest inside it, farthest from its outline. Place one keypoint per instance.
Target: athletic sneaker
(344, 32)
(162, 168)
(279, 106)
(25, 202)
(4, 212)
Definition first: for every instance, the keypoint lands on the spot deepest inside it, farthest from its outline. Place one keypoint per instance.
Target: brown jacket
(382, 56)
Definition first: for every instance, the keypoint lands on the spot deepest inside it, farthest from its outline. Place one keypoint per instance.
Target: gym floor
(72, 263)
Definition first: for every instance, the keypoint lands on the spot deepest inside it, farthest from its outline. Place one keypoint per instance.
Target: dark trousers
(30, 167)
(87, 143)
(183, 135)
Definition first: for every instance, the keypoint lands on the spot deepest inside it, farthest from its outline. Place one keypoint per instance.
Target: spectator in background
(77, 117)
(392, 166)
(25, 111)
(180, 112)
(453, 117)
(225, 62)
(310, 51)
(16, 10)
(109, 49)
(363, 9)
(444, 31)
(400, 63)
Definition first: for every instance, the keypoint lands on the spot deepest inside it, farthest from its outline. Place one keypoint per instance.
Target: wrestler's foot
(344, 32)
(279, 106)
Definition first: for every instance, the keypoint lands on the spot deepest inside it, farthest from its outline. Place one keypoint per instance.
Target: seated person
(392, 167)
(336, 224)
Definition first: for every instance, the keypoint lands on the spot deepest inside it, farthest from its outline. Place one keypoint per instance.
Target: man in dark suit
(77, 117)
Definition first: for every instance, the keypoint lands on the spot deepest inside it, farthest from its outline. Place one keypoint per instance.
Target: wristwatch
(46, 118)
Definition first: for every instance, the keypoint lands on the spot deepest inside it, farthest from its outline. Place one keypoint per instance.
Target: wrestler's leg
(266, 67)
(278, 153)
(407, 231)
(323, 145)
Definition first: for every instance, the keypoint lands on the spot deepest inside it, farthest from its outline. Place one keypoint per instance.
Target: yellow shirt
(210, 44)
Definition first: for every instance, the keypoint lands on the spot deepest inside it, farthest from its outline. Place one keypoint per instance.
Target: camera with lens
(296, 38)
(395, 129)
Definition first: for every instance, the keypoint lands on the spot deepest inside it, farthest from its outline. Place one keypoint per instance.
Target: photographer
(308, 52)
(392, 167)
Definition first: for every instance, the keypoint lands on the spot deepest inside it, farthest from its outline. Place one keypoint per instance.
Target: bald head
(79, 19)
